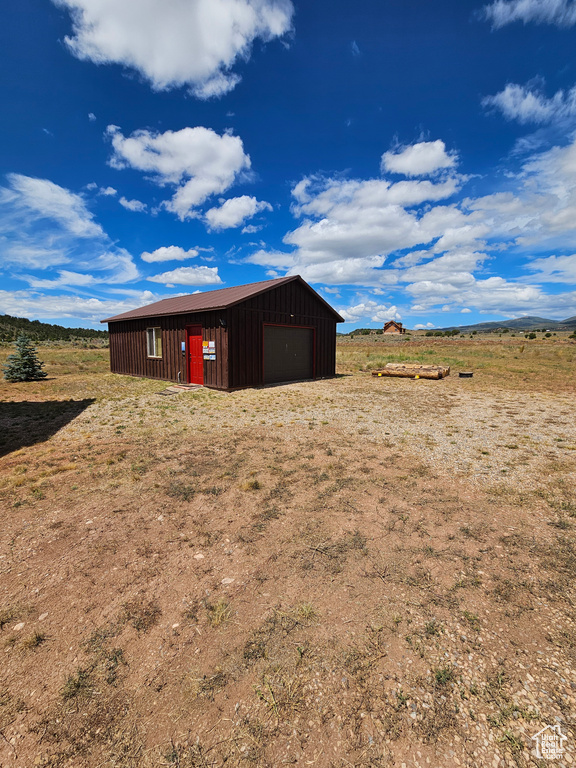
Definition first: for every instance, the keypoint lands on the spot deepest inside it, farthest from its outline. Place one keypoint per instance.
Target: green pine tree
(24, 365)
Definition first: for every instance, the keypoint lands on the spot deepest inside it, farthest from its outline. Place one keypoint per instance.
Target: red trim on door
(194, 354)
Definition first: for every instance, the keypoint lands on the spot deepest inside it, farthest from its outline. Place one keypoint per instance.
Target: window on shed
(154, 337)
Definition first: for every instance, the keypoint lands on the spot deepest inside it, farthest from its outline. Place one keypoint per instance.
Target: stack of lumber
(413, 371)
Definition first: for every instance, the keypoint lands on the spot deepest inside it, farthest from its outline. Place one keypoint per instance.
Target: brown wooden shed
(263, 333)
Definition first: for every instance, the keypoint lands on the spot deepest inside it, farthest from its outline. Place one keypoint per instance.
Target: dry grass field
(349, 572)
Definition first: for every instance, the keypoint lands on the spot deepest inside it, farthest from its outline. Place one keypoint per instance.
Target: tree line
(12, 327)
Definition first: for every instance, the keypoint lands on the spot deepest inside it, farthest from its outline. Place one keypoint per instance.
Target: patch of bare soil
(303, 575)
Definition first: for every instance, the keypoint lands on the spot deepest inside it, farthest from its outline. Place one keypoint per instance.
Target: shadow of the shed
(25, 423)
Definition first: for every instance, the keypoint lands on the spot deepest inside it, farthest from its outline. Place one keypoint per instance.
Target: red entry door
(195, 355)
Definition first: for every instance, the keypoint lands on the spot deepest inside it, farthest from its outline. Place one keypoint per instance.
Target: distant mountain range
(528, 323)
(12, 327)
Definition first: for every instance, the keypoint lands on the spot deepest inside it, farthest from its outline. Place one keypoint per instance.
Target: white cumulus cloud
(494, 294)
(234, 212)
(421, 159)
(188, 276)
(377, 313)
(175, 42)
(197, 161)
(169, 253)
(410, 237)
(346, 272)
(456, 265)
(278, 259)
(133, 205)
(350, 227)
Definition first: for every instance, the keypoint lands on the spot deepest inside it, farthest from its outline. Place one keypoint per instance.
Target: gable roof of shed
(209, 300)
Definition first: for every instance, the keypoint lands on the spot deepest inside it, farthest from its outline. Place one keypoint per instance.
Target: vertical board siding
(216, 371)
(290, 304)
(238, 333)
(129, 355)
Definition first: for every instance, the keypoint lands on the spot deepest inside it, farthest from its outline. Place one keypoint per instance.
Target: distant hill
(12, 327)
(528, 323)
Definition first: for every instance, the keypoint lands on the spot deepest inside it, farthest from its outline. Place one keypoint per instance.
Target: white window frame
(153, 340)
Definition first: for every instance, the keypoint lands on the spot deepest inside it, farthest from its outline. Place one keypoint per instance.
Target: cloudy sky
(412, 160)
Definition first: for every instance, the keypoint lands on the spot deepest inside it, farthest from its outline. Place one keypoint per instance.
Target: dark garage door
(288, 353)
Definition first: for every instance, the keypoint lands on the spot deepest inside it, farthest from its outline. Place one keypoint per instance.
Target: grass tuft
(444, 675)
(141, 614)
(219, 613)
(78, 685)
(34, 641)
(251, 485)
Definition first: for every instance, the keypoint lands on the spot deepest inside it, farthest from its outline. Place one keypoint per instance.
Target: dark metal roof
(208, 300)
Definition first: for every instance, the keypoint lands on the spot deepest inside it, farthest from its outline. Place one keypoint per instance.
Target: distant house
(264, 333)
(393, 327)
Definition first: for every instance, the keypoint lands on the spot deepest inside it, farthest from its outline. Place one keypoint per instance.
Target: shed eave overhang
(151, 316)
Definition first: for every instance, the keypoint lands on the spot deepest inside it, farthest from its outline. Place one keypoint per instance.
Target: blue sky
(411, 160)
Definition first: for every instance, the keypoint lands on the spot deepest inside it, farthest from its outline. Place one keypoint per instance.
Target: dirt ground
(350, 572)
